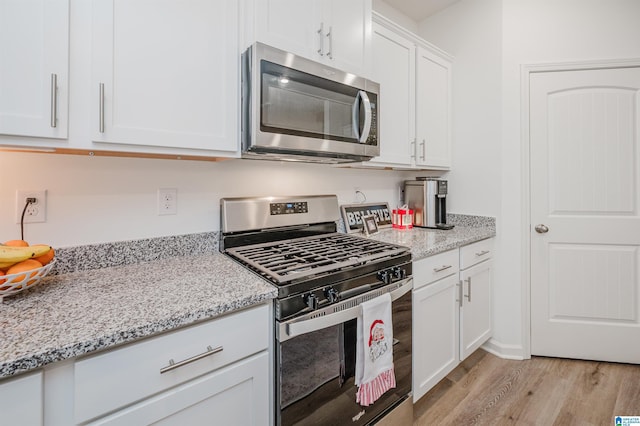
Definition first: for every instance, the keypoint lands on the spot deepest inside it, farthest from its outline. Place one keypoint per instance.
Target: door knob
(541, 229)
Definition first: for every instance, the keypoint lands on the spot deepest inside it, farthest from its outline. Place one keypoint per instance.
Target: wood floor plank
(487, 390)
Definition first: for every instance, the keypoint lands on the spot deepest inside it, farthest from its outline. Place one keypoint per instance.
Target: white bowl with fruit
(22, 266)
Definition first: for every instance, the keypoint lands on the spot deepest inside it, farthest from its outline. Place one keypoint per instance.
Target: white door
(34, 64)
(584, 154)
(476, 325)
(394, 69)
(433, 110)
(165, 74)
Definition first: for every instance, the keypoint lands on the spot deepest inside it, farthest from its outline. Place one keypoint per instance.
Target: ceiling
(419, 9)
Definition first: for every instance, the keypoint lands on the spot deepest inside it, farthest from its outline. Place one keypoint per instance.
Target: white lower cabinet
(451, 311)
(475, 312)
(236, 395)
(188, 376)
(218, 373)
(21, 401)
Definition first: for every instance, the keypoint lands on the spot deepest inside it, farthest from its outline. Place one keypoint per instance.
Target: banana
(4, 265)
(39, 249)
(10, 254)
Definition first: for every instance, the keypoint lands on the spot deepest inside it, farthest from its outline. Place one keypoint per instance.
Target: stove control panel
(288, 208)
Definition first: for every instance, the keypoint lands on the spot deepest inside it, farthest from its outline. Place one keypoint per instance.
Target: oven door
(315, 365)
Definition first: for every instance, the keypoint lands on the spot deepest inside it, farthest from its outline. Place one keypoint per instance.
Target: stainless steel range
(322, 277)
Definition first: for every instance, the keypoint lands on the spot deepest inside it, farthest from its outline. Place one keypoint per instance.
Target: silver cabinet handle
(443, 268)
(413, 150)
(321, 38)
(101, 107)
(468, 296)
(482, 253)
(173, 365)
(459, 300)
(54, 100)
(330, 36)
(424, 152)
(541, 229)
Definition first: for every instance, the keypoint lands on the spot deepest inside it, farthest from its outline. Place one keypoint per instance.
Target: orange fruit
(16, 243)
(24, 266)
(46, 258)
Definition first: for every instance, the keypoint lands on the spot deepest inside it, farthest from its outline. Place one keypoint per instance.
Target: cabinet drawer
(123, 376)
(476, 253)
(435, 267)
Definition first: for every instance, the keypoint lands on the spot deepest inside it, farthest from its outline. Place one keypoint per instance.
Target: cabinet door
(475, 312)
(21, 400)
(347, 39)
(165, 74)
(334, 32)
(394, 69)
(236, 395)
(34, 64)
(435, 333)
(291, 25)
(433, 110)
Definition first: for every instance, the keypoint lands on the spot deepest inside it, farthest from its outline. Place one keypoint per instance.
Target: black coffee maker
(427, 197)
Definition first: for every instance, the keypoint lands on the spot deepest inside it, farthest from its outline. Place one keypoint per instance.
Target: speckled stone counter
(100, 296)
(425, 242)
(76, 313)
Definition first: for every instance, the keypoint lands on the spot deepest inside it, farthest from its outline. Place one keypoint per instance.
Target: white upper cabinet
(34, 67)
(394, 69)
(334, 32)
(165, 74)
(433, 110)
(415, 99)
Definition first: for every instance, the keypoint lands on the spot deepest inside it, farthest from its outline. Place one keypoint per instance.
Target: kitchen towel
(374, 351)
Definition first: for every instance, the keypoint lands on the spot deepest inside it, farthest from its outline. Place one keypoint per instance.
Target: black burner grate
(284, 261)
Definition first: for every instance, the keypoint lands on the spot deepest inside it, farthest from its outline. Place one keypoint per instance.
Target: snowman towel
(374, 351)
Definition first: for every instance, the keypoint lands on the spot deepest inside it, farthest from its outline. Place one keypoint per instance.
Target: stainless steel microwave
(297, 109)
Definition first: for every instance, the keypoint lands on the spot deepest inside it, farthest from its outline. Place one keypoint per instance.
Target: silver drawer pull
(54, 100)
(173, 365)
(101, 118)
(443, 268)
(482, 253)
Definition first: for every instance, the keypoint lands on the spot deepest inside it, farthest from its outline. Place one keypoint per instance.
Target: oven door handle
(290, 329)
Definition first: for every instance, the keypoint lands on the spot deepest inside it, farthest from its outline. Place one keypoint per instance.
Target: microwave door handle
(355, 115)
(367, 117)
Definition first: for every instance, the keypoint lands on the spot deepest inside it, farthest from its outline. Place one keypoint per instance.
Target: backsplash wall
(106, 199)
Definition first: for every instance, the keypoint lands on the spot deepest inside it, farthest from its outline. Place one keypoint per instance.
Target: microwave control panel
(289, 208)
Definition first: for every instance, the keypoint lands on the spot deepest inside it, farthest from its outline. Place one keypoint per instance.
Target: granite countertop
(76, 313)
(427, 242)
(104, 295)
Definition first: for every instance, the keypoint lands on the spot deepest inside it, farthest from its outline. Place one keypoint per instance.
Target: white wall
(532, 32)
(102, 199)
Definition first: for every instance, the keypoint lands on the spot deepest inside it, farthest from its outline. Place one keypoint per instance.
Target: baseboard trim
(505, 351)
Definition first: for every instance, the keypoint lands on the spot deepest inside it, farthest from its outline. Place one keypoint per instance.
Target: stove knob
(332, 295)
(385, 276)
(311, 301)
(399, 273)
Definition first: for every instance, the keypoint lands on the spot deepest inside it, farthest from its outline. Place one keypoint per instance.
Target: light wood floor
(487, 390)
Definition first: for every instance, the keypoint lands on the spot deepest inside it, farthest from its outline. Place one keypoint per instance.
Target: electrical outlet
(36, 212)
(167, 201)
